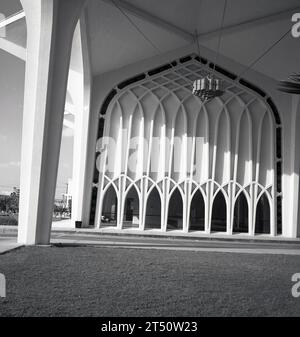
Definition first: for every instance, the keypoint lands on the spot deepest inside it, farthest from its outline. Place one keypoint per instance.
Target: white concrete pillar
(50, 28)
(93, 133)
(291, 172)
(79, 85)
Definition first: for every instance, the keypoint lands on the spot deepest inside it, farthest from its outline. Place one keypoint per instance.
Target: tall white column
(79, 86)
(50, 28)
(291, 173)
(95, 123)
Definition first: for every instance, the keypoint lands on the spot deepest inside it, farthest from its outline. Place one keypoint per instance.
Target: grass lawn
(95, 281)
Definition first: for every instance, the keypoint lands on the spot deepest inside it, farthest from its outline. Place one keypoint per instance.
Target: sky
(11, 104)
(12, 77)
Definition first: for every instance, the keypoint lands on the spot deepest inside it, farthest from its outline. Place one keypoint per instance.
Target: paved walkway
(100, 239)
(7, 244)
(176, 244)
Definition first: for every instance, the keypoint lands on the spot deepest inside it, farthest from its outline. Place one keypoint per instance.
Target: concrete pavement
(7, 244)
(175, 244)
(180, 243)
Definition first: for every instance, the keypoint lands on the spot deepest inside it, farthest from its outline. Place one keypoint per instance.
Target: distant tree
(59, 209)
(13, 202)
(4, 203)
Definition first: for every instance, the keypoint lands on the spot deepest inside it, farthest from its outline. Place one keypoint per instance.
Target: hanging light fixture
(209, 86)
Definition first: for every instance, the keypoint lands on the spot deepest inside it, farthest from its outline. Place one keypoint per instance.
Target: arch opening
(175, 212)
(153, 211)
(262, 220)
(240, 218)
(109, 208)
(197, 212)
(218, 219)
(131, 209)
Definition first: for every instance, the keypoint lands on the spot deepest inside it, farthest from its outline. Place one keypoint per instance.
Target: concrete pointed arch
(238, 114)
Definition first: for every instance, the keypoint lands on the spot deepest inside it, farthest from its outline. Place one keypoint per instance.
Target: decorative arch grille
(223, 148)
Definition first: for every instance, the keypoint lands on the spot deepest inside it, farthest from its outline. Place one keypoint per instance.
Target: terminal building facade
(178, 163)
(148, 154)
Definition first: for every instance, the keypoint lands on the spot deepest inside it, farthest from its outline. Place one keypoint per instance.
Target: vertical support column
(291, 172)
(230, 208)
(143, 203)
(185, 210)
(50, 28)
(80, 88)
